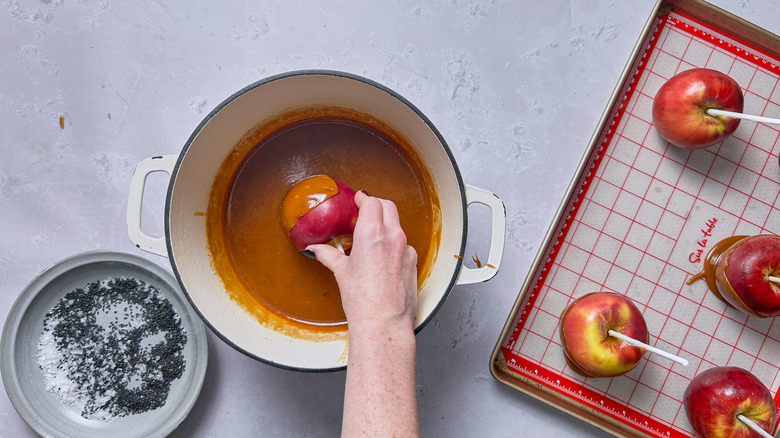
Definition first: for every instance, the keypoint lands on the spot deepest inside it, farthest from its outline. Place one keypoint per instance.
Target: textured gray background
(515, 87)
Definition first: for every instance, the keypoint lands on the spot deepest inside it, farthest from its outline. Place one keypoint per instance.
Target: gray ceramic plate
(45, 411)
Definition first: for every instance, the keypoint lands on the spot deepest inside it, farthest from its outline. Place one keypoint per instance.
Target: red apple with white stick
(747, 275)
(716, 398)
(680, 108)
(589, 348)
(318, 210)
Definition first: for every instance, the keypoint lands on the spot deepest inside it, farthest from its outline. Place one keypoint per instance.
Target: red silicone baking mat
(639, 223)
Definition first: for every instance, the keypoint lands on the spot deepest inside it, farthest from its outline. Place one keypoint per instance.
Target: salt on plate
(112, 348)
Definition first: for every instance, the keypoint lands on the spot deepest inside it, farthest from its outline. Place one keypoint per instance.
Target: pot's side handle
(156, 245)
(497, 236)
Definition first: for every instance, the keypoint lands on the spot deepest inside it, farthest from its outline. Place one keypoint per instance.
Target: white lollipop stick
(762, 119)
(773, 279)
(754, 426)
(650, 348)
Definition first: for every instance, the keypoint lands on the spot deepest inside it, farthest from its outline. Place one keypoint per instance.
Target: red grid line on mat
(628, 235)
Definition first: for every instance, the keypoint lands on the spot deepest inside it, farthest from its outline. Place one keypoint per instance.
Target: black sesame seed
(115, 373)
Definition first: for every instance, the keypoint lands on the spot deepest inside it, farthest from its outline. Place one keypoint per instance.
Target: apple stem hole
(754, 426)
(650, 348)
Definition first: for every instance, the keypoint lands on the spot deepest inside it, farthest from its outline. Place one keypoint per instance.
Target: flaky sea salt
(112, 348)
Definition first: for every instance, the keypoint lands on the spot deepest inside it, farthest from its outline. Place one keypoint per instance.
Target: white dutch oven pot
(193, 170)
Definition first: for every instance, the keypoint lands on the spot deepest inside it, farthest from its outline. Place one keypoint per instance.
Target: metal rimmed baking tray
(631, 222)
(45, 411)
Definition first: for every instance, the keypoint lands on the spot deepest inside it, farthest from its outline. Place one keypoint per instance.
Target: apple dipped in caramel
(744, 272)
(585, 327)
(318, 210)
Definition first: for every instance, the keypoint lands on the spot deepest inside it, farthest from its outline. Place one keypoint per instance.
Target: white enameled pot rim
(295, 73)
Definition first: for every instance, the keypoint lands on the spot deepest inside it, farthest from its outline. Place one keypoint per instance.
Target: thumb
(329, 256)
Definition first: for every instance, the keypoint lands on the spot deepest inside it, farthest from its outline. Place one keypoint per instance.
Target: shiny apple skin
(585, 325)
(680, 108)
(336, 216)
(741, 275)
(716, 396)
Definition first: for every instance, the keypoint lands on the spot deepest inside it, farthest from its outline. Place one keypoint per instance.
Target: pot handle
(162, 163)
(497, 236)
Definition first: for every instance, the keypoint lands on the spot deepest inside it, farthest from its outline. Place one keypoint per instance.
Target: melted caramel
(710, 263)
(252, 253)
(304, 196)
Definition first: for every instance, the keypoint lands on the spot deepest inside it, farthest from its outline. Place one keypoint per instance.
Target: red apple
(681, 104)
(742, 275)
(319, 210)
(588, 347)
(715, 398)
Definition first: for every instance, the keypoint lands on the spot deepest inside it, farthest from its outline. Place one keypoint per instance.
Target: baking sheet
(638, 220)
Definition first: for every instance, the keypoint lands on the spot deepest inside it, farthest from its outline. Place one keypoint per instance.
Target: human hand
(378, 285)
(378, 280)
